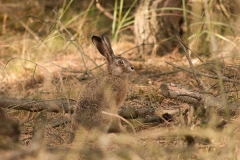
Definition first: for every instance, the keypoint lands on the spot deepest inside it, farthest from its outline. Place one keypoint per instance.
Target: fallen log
(178, 92)
(52, 105)
(67, 106)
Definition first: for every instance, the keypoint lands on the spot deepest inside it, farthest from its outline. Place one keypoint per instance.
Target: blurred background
(46, 54)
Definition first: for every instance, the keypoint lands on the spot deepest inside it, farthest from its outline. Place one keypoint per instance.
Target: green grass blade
(120, 10)
(65, 10)
(123, 20)
(114, 17)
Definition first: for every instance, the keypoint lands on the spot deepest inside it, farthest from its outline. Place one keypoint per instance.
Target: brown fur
(105, 93)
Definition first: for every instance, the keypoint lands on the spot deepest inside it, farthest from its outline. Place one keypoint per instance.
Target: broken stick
(174, 91)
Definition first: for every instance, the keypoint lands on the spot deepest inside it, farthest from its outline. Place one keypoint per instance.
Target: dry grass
(151, 141)
(54, 68)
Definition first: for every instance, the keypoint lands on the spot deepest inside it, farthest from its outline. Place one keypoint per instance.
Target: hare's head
(117, 65)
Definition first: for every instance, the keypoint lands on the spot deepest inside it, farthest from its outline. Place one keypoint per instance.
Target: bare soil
(64, 76)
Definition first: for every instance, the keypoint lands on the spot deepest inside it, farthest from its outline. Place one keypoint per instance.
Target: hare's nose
(132, 68)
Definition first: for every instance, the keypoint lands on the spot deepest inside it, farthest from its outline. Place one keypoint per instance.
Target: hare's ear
(108, 43)
(104, 47)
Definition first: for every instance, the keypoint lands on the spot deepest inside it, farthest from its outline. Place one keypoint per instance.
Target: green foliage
(199, 28)
(122, 19)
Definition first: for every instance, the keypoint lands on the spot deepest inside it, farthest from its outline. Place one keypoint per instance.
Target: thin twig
(25, 26)
(24, 60)
(115, 115)
(190, 62)
(199, 58)
(78, 46)
(226, 15)
(226, 79)
(214, 46)
(105, 12)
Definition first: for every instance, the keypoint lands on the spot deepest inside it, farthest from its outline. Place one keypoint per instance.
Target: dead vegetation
(43, 69)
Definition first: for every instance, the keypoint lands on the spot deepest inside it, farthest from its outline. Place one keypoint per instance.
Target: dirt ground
(63, 76)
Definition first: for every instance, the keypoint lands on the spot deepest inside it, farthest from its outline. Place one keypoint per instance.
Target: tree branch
(178, 92)
(52, 105)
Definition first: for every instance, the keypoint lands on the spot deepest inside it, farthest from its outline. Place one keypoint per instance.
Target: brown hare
(105, 93)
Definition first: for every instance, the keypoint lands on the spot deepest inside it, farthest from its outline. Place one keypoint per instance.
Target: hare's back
(91, 97)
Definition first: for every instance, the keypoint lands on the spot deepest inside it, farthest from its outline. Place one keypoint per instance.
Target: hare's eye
(120, 61)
